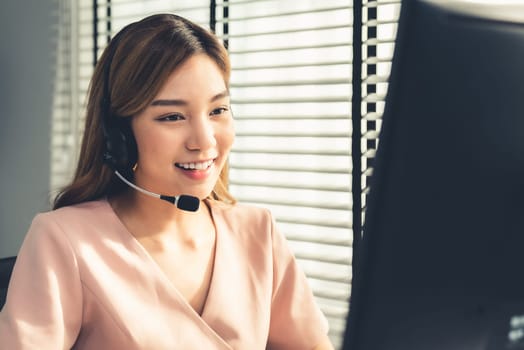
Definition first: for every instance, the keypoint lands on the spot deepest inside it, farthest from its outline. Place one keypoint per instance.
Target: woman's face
(184, 136)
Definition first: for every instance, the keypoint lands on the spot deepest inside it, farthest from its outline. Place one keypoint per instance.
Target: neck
(146, 216)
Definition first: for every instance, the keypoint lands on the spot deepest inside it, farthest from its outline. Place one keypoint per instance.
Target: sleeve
(296, 320)
(43, 309)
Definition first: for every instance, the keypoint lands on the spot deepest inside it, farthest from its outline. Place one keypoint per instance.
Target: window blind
(294, 101)
(63, 124)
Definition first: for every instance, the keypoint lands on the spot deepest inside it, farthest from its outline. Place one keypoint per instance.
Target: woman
(113, 267)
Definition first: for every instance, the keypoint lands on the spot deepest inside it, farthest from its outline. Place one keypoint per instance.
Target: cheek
(141, 138)
(227, 136)
(143, 143)
(151, 144)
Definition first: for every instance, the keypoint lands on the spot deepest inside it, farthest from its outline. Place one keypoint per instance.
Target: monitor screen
(441, 265)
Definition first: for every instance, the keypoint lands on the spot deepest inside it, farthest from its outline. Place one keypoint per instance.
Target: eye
(219, 111)
(170, 117)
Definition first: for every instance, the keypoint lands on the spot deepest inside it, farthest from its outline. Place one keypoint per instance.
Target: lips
(203, 165)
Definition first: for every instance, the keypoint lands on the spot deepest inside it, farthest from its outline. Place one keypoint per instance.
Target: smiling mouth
(196, 165)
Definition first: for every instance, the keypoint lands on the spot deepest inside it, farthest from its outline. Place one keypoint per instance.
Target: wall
(27, 51)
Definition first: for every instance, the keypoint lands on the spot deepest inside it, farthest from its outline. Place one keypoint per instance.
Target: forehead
(199, 75)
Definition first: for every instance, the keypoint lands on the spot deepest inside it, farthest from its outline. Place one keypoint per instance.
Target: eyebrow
(175, 102)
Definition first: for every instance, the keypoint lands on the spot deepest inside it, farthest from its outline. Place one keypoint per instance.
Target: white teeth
(195, 166)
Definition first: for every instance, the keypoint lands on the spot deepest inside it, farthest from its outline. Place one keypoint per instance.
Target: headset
(120, 147)
(121, 152)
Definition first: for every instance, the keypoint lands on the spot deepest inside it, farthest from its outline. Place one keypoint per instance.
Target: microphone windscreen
(188, 203)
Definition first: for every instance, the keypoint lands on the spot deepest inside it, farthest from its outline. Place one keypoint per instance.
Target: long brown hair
(131, 71)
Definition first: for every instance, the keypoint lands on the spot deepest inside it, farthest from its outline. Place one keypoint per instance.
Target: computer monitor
(441, 265)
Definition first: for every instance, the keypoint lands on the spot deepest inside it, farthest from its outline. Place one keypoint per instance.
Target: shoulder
(82, 211)
(242, 215)
(68, 218)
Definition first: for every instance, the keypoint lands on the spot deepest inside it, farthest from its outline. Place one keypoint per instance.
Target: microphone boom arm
(183, 202)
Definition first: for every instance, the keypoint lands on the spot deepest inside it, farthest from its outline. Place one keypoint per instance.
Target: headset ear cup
(120, 150)
(131, 149)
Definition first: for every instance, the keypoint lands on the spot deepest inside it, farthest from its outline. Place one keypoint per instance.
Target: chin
(199, 194)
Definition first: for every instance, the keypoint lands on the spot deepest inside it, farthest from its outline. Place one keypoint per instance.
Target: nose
(201, 134)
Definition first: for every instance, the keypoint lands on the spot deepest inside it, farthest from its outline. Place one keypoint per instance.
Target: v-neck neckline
(142, 251)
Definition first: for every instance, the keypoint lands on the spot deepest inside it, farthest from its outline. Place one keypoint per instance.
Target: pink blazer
(82, 281)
